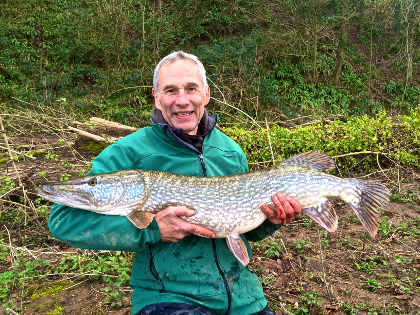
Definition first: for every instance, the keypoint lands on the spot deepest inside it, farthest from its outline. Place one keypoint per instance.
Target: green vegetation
(277, 57)
(361, 143)
(337, 76)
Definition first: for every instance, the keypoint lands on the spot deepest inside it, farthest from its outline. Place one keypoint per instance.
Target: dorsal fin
(313, 159)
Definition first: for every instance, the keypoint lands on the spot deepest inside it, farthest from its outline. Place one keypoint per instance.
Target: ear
(206, 95)
(156, 97)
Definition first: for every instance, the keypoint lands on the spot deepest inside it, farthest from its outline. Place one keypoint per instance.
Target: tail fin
(372, 196)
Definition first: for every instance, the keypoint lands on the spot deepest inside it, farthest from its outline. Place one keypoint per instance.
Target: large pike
(228, 205)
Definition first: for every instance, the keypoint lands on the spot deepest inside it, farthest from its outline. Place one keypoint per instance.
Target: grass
(303, 269)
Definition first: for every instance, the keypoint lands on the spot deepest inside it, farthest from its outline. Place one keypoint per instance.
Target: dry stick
(8, 192)
(112, 124)
(11, 311)
(252, 119)
(324, 277)
(360, 152)
(12, 251)
(377, 161)
(6, 142)
(224, 99)
(269, 140)
(131, 87)
(92, 136)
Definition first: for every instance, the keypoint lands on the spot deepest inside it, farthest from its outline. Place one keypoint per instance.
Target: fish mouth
(68, 198)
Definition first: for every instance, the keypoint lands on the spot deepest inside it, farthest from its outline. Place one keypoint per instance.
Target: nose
(182, 97)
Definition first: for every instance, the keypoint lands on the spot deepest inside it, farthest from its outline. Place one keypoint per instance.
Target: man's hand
(173, 228)
(284, 210)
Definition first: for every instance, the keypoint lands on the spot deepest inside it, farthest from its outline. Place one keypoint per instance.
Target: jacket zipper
(153, 270)
(203, 165)
(155, 274)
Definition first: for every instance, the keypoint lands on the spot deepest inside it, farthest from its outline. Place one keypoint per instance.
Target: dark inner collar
(206, 124)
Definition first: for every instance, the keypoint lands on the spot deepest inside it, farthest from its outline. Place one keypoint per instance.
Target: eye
(92, 181)
(170, 91)
(191, 89)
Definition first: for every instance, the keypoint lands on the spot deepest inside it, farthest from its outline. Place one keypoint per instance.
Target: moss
(95, 147)
(53, 290)
(57, 311)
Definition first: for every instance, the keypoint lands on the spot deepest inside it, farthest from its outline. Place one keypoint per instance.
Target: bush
(377, 136)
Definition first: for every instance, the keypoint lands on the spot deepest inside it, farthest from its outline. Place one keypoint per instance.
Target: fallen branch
(111, 124)
(93, 136)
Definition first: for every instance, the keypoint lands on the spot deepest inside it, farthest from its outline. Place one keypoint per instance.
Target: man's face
(181, 97)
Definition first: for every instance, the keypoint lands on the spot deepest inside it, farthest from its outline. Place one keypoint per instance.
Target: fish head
(112, 193)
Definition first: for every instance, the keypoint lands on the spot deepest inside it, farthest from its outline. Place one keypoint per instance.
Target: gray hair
(175, 56)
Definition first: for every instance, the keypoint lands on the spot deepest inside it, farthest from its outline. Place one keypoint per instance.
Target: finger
(288, 210)
(278, 202)
(268, 211)
(295, 205)
(183, 212)
(200, 231)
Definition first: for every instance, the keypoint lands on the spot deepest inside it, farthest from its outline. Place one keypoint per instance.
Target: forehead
(179, 73)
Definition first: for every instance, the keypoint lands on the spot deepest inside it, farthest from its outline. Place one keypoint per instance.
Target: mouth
(183, 115)
(52, 194)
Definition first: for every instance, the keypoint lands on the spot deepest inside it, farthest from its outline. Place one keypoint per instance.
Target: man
(179, 267)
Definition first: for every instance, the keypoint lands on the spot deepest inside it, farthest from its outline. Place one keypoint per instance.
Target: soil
(310, 271)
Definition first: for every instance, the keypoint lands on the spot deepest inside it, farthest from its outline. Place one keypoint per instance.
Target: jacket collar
(193, 142)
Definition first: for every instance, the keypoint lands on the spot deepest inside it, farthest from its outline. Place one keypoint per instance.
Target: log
(111, 124)
(93, 136)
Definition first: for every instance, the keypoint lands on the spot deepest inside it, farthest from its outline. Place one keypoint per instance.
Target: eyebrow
(172, 86)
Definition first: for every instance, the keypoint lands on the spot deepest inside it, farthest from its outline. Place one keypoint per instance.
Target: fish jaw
(117, 193)
(53, 193)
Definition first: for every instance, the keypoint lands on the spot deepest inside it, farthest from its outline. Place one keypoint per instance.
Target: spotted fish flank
(228, 205)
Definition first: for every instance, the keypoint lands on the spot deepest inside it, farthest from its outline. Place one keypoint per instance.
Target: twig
(17, 153)
(24, 102)
(269, 140)
(92, 136)
(16, 204)
(11, 311)
(76, 284)
(12, 252)
(130, 88)
(357, 153)
(224, 99)
(324, 277)
(6, 142)
(8, 192)
(252, 119)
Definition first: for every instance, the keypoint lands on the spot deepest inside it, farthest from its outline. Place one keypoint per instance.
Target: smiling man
(179, 267)
(181, 94)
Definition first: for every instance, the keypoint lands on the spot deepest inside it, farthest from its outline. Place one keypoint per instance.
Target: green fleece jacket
(195, 270)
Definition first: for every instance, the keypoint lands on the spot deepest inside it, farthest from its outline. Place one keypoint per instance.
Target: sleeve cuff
(152, 233)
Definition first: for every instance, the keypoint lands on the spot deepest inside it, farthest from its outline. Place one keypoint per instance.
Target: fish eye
(92, 181)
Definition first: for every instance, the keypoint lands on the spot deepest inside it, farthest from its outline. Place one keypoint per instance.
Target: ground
(303, 269)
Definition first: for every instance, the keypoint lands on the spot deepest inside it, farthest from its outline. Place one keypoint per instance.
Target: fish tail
(369, 198)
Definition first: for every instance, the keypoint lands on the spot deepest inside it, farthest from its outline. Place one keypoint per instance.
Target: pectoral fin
(324, 215)
(238, 248)
(141, 219)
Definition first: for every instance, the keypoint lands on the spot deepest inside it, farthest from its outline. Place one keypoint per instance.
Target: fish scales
(228, 205)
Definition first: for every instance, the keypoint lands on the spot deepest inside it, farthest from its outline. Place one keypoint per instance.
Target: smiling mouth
(185, 114)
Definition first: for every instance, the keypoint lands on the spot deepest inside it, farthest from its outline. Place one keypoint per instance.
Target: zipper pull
(203, 165)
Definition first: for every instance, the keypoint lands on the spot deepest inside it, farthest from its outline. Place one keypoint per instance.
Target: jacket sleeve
(90, 230)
